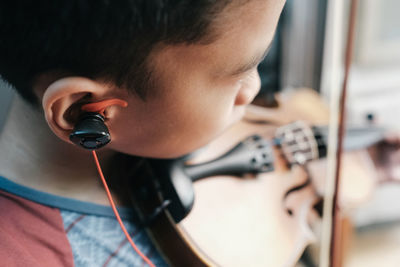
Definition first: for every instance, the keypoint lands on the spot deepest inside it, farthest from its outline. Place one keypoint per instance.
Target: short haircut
(98, 39)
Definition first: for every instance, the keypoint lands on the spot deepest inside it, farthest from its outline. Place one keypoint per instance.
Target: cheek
(196, 120)
(207, 111)
(205, 119)
(172, 129)
(179, 122)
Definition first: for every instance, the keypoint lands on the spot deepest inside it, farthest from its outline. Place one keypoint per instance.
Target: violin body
(249, 221)
(264, 219)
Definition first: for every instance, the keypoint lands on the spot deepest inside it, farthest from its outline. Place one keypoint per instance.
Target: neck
(31, 155)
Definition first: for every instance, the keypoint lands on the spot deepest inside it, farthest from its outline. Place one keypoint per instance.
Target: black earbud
(90, 132)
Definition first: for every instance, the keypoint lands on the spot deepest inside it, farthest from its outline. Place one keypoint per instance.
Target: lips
(250, 87)
(246, 95)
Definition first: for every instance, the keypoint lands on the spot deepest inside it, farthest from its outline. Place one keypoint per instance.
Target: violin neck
(299, 142)
(253, 155)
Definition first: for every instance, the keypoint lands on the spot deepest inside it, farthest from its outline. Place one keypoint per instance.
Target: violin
(263, 218)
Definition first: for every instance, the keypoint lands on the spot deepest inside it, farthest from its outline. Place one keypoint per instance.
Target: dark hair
(103, 39)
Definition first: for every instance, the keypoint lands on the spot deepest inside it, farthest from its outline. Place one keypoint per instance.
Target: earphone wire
(147, 260)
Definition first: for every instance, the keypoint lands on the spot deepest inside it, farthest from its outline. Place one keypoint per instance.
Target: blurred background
(301, 57)
(305, 45)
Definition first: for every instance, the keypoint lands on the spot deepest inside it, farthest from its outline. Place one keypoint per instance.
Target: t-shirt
(41, 229)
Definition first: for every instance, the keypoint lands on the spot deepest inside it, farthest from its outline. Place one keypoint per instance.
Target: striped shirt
(41, 229)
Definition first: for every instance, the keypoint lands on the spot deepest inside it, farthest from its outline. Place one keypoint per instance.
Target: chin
(238, 113)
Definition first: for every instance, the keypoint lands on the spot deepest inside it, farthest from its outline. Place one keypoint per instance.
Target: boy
(186, 70)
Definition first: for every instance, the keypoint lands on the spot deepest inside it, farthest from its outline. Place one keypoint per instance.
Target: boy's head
(186, 68)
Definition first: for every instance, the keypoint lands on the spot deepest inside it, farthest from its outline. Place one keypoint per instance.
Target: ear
(63, 99)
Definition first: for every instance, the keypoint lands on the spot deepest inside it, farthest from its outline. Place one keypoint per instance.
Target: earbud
(90, 132)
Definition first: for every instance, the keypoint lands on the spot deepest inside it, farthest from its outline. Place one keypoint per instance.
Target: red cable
(116, 212)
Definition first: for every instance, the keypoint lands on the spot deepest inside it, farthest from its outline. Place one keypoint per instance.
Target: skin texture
(199, 91)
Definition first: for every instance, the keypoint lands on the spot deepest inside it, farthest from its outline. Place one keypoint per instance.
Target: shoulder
(26, 226)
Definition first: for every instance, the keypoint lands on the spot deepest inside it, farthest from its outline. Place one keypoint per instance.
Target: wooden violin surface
(249, 222)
